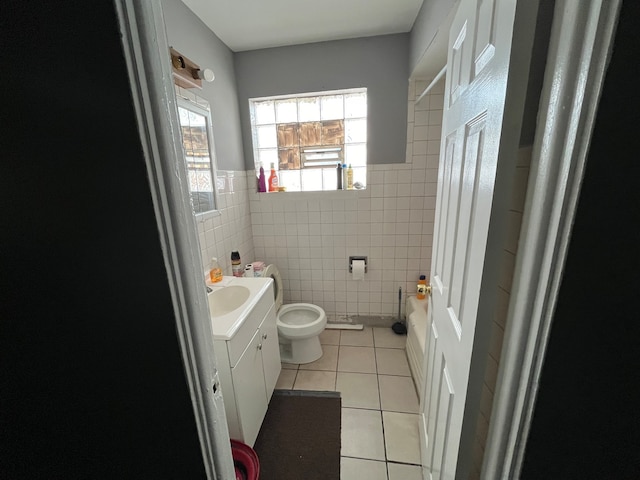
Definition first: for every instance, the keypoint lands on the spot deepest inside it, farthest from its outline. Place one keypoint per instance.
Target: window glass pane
(184, 116)
(310, 134)
(331, 107)
(290, 179)
(355, 131)
(286, 111)
(264, 113)
(355, 105)
(267, 157)
(200, 181)
(360, 176)
(288, 135)
(267, 137)
(201, 189)
(356, 155)
(308, 109)
(289, 158)
(196, 120)
(333, 132)
(329, 179)
(311, 179)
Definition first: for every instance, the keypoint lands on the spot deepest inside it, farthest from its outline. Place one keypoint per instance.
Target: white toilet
(299, 325)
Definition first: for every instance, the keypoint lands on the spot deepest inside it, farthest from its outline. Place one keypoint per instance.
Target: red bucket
(245, 461)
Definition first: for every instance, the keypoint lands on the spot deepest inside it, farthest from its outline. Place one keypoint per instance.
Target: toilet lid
(272, 271)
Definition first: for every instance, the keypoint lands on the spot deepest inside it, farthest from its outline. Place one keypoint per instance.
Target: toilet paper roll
(357, 269)
(248, 270)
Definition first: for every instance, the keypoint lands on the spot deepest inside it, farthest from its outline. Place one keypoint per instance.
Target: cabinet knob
(264, 336)
(259, 346)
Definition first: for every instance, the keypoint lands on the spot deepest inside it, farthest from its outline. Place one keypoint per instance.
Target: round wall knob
(260, 346)
(264, 337)
(206, 75)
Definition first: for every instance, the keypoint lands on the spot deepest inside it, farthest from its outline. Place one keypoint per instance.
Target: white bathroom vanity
(245, 338)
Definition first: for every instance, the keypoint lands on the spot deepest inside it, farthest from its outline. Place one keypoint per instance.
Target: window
(305, 137)
(195, 126)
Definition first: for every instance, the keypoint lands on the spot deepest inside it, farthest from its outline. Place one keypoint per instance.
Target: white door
(478, 65)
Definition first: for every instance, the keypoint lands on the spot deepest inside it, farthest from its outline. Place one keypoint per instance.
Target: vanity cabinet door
(249, 389)
(270, 351)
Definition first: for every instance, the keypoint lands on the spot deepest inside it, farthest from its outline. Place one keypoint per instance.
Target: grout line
(363, 458)
(384, 438)
(405, 463)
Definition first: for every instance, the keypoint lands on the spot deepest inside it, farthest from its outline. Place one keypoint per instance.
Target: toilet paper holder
(351, 259)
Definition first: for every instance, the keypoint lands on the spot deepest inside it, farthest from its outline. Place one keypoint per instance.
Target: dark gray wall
(195, 40)
(429, 18)
(378, 63)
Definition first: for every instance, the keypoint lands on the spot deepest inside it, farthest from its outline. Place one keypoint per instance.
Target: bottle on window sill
(344, 176)
(262, 182)
(273, 179)
(349, 178)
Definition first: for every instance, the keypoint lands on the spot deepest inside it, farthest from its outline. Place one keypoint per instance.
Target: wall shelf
(185, 71)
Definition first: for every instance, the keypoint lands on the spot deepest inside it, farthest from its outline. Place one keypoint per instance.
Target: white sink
(231, 300)
(227, 299)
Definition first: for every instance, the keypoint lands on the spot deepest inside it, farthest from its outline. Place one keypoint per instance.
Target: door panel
(485, 33)
(457, 77)
(443, 421)
(468, 181)
(442, 199)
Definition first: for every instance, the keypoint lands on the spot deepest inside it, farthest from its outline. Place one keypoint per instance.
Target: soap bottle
(262, 182)
(215, 274)
(422, 287)
(349, 178)
(236, 264)
(273, 179)
(339, 176)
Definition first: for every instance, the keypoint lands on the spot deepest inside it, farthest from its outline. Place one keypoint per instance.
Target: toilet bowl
(299, 325)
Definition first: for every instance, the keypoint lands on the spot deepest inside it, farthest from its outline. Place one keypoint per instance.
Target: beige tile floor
(379, 401)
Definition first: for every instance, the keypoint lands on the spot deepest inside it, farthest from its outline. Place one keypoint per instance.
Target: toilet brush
(399, 327)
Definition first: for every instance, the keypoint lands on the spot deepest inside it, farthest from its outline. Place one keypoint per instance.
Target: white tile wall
(310, 236)
(230, 227)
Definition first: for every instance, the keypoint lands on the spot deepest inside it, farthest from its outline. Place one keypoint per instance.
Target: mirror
(197, 140)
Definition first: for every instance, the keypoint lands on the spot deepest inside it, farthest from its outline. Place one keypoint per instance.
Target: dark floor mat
(300, 436)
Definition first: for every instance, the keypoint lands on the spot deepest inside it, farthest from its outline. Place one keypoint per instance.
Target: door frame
(146, 52)
(569, 100)
(566, 117)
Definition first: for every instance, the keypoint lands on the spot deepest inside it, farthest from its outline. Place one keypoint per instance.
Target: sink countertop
(225, 326)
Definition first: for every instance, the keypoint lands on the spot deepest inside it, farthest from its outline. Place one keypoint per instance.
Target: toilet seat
(301, 320)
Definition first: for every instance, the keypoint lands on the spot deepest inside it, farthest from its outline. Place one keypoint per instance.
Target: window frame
(254, 125)
(200, 106)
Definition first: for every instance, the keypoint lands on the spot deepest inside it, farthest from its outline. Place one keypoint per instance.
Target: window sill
(315, 195)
